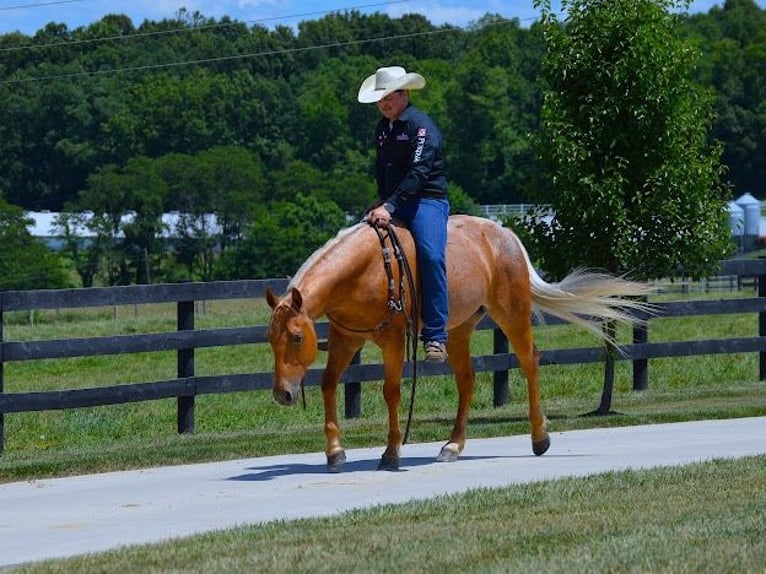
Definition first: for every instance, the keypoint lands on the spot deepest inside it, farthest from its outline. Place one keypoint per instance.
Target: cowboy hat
(386, 81)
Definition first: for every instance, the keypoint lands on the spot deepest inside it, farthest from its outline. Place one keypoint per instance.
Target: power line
(66, 44)
(227, 58)
(247, 55)
(37, 5)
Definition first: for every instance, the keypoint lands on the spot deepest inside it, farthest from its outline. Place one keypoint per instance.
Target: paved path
(68, 516)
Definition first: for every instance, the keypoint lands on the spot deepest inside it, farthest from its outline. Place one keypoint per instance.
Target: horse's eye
(298, 338)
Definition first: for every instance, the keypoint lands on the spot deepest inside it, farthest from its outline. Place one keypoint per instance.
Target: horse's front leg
(393, 361)
(341, 349)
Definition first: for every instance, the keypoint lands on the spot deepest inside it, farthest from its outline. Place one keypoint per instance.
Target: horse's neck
(333, 272)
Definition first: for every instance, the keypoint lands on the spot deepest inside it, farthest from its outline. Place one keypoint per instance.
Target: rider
(412, 187)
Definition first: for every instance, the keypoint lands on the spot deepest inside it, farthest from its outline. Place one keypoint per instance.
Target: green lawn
(702, 518)
(250, 424)
(706, 517)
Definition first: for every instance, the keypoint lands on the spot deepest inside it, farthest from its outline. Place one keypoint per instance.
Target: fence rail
(186, 386)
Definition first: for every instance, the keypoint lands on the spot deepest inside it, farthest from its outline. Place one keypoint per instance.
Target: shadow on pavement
(270, 472)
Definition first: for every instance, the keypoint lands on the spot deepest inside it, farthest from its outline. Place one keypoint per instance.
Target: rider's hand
(380, 217)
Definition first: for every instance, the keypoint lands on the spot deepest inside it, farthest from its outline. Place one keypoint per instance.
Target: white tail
(583, 296)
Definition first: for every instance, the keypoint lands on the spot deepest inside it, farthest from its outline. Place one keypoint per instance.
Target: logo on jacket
(421, 144)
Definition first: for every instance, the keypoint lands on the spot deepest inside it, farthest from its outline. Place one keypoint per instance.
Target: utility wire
(37, 5)
(66, 44)
(227, 58)
(245, 56)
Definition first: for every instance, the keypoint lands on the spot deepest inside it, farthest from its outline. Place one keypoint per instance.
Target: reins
(397, 304)
(412, 322)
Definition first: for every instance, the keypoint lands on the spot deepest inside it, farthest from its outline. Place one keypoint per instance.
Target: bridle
(397, 304)
(280, 311)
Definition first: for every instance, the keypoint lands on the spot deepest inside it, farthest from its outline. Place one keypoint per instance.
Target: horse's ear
(297, 299)
(271, 299)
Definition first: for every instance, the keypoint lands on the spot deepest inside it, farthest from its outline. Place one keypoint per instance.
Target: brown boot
(436, 351)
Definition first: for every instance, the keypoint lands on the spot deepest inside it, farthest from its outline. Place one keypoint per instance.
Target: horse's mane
(321, 252)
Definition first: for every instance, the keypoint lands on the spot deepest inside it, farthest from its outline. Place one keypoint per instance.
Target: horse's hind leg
(519, 333)
(458, 349)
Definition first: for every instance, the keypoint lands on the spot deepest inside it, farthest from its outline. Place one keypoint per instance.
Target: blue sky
(28, 16)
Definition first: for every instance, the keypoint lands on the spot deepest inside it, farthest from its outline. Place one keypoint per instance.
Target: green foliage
(460, 202)
(269, 113)
(624, 138)
(283, 236)
(494, 106)
(25, 263)
(732, 39)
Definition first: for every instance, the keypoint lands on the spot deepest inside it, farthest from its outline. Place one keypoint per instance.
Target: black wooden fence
(186, 339)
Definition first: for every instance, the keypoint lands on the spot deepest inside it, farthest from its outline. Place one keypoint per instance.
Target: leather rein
(397, 304)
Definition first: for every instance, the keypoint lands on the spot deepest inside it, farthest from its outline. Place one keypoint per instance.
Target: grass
(700, 518)
(706, 517)
(76, 441)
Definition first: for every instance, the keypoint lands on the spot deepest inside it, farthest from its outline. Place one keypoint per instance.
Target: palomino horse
(489, 272)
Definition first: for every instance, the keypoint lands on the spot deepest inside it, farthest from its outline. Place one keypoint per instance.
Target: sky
(28, 16)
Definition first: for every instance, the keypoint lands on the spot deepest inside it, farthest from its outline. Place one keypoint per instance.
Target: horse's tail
(588, 299)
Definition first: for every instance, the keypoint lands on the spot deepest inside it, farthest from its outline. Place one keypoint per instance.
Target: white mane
(296, 279)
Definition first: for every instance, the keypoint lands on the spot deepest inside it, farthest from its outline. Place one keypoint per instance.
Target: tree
(494, 106)
(461, 202)
(25, 262)
(282, 236)
(127, 218)
(635, 186)
(85, 253)
(733, 39)
(215, 193)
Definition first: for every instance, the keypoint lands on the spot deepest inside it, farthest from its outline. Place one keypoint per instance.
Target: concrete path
(68, 516)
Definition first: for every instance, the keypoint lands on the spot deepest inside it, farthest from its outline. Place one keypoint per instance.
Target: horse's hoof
(447, 454)
(539, 447)
(390, 463)
(336, 460)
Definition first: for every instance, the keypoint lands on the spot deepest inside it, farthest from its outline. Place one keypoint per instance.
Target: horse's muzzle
(287, 395)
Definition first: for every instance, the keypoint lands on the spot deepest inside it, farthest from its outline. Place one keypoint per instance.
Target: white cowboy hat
(386, 81)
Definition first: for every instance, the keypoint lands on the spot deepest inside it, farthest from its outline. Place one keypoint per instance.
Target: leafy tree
(461, 202)
(352, 187)
(624, 137)
(735, 60)
(290, 108)
(283, 235)
(25, 262)
(326, 101)
(85, 253)
(348, 185)
(127, 206)
(494, 103)
(215, 193)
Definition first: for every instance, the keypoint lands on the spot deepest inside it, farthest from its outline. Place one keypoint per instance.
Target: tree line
(261, 128)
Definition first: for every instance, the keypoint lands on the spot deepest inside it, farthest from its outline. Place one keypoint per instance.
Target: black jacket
(410, 158)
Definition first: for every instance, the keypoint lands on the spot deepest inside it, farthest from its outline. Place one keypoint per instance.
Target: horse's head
(294, 343)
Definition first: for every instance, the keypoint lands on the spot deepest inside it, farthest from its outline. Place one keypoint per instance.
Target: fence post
(762, 326)
(185, 368)
(499, 378)
(641, 366)
(352, 393)
(2, 374)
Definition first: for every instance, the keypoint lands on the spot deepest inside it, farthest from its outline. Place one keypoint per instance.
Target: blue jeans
(426, 219)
